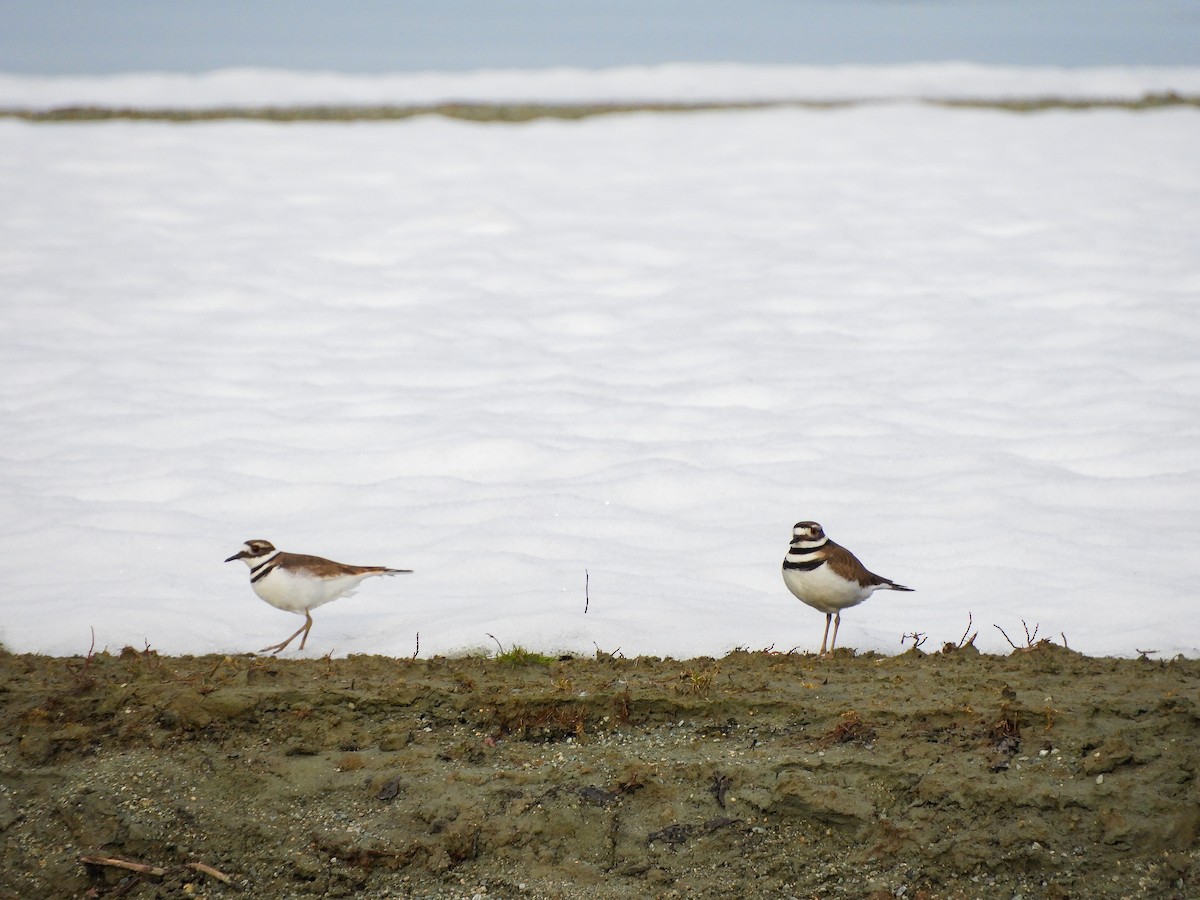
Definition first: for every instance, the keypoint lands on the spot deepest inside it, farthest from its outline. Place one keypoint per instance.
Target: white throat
(253, 562)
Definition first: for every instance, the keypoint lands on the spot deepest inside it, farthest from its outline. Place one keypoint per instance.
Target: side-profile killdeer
(827, 576)
(298, 583)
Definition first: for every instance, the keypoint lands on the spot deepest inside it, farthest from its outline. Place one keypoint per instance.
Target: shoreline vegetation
(527, 112)
(951, 774)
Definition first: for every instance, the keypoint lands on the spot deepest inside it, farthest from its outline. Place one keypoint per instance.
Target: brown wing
(846, 564)
(326, 568)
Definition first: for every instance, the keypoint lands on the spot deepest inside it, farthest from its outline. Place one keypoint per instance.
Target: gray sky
(105, 36)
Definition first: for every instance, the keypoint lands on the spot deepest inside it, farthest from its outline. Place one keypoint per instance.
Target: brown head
(807, 533)
(252, 551)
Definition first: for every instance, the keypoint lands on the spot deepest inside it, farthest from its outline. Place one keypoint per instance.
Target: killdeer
(298, 583)
(827, 576)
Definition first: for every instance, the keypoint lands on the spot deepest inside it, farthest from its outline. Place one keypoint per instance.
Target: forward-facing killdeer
(827, 576)
(298, 583)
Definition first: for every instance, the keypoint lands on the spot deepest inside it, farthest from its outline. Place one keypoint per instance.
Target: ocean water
(79, 37)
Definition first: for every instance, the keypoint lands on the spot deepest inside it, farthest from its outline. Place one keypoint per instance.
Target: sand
(943, 775)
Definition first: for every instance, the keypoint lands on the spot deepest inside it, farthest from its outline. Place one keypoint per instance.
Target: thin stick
(498, 644)
(586, 599)
(417, 652)
(140, 868)
(87, 660)
(1030, 638)
(962, 641)
(1006, 637)
(209, 870)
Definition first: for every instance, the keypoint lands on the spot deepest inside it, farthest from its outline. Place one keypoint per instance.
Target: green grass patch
(519, 657)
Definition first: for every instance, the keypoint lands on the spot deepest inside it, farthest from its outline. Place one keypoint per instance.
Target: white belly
(298, 593)
(822, 589)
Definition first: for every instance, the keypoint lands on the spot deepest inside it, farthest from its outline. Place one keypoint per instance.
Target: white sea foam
(641, 346)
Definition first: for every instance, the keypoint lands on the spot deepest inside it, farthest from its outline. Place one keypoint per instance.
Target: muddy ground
(953, 774)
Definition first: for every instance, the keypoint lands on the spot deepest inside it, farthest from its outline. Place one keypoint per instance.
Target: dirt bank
(1040, 774)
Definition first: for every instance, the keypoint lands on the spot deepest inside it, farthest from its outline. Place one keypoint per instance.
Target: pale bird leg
(836, 622)
(306, 627)
(825, 636)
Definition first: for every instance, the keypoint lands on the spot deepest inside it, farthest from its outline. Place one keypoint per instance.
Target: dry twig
(140, 868)
(1031, 641)
(80, 673)
(154, 871)
(962, 641)
(209, 870)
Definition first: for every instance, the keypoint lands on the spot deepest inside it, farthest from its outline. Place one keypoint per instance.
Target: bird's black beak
(236, 556)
